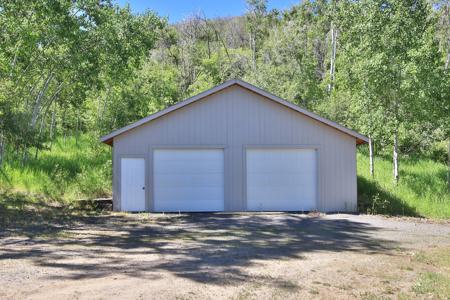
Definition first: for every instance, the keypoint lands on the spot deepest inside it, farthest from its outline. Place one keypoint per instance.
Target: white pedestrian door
(188, 180)
(281, 179)
(133, 184)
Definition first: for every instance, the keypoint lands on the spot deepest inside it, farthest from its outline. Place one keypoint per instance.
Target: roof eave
(362, 141)
(109, 141)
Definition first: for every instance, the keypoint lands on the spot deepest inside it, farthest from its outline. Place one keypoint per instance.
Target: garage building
(234, 147)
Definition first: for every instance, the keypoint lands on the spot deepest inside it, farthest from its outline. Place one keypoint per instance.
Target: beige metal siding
(234, 119)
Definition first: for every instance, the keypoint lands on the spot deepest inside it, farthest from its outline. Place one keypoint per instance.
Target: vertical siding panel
(222, 131)
(239, 139)
(277, 121)
(262, 129)
(115, 181)
(193, 125)
(324, 172)
(229, 120)
(327, 173)
(239, 123)
(334, 172)
(291, 128)
(170, 132)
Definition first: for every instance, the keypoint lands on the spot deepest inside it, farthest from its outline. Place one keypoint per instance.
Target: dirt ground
(236, 256)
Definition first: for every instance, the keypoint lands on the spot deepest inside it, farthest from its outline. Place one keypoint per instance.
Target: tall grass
(422, 190)
(71, 169)
(75, 169)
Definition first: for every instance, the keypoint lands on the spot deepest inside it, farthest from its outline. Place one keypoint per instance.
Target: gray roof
(108, 139)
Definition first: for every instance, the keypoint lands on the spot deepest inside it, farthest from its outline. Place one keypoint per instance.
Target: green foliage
(91, 66)
(386, 77)
(290, 63)
(71, 169)
(438, 152)
(54, 53)
(421, 192)
(147, 90)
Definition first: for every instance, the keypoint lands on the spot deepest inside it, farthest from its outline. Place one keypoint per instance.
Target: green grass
(435, 284)
(70, 170)
(82, 169)
(422, 190)
(435, 281)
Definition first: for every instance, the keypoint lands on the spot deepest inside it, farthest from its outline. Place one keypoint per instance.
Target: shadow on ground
(208, 248)
(373, 199)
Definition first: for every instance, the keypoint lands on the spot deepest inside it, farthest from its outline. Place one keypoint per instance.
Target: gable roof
(108, 139)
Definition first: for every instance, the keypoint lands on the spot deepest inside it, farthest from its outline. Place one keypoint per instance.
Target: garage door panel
(276, 194)
(272, 166)
(188, 180)
(194, 206)
(280, 205)
(301, 196)
(188, 167)
(265, 180)
(190, 154)
(190, 193)
(281, 179)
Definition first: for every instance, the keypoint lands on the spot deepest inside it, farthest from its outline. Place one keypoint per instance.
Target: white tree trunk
(253, 48)
(38, 102)
(445, 23)
(333, 56)
(77, 127)
(52, 124)
(371, 156)
(395, 157)
(2, 150)
(447, 61)
(52, 127)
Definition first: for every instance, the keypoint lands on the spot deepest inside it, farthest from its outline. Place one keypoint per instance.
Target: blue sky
(177, 10)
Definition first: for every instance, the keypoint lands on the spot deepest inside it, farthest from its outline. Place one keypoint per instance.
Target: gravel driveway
(239, 256)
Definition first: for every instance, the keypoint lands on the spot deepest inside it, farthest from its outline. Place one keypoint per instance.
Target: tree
(257, 10)
(292, 57)
(53, 54)
(392, 64)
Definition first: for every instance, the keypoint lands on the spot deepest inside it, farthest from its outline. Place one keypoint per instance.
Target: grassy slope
(83, 170)
(422, 190)
(71, 170)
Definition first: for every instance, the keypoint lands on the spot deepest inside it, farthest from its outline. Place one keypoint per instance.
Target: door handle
(143, 187)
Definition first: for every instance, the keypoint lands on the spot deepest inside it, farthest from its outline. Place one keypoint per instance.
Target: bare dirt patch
(237, 256)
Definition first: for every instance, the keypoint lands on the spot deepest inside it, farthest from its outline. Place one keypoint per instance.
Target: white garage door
(281, 179)
(188, 180)
(132, 184)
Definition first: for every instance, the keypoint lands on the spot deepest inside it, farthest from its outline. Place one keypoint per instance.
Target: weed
(314, 291)
(435, 284)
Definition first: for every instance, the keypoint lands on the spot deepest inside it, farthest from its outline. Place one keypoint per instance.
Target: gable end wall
(236, 118)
